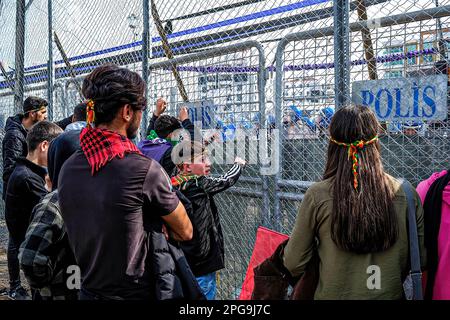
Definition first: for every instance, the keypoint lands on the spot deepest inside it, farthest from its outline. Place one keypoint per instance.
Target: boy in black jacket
(26, 187)
(45, 254)
(205, 252)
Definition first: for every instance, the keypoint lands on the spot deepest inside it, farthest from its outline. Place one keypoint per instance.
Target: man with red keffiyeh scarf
(111, 196)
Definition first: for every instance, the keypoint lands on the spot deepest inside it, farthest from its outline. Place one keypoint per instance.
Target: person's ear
(44, 146)
(127, 113)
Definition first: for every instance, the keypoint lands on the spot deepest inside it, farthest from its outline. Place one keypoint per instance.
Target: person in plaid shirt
(45, 254)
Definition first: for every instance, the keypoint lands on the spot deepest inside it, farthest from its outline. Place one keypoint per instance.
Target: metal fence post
(265, 212)
(50, 67)
(59, 105)
(341, 53)
(279, 69)
(19, 56)
(145, 56)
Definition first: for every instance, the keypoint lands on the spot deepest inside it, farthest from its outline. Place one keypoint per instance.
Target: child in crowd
(205, 252)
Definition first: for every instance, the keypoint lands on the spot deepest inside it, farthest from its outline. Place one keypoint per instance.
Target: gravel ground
(3, 230)
(3, 274)
(3, 246)
(4, 277)
(3, 235)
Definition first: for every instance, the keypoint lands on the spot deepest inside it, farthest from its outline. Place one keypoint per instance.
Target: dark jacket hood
(59, 151)
(15, 123)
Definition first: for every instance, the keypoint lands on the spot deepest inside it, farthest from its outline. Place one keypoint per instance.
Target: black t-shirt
(105, 215)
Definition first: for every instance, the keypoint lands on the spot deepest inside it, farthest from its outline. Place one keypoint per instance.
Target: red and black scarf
(178, 180)
(101, 146)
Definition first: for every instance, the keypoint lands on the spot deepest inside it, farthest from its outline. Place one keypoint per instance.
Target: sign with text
(203, 111)
(403, 99)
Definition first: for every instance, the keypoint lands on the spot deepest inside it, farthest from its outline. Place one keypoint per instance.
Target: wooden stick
(67, 62)
(367, 41)
(168, 51)
(9, 81)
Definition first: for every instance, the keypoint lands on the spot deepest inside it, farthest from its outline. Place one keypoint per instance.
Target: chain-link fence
(403, 48)
(228, 85)
(268, 75)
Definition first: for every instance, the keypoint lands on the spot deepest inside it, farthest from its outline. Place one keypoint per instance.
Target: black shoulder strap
(416, 273)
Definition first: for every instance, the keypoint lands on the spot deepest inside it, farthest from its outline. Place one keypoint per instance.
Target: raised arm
(215, 185)
(161, 106)
(187, 124)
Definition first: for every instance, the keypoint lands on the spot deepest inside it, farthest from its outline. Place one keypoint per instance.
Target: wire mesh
(229, 84)
(91, 33)
(410, 149)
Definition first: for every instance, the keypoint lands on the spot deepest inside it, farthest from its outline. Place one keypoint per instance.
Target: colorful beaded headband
(353, 154)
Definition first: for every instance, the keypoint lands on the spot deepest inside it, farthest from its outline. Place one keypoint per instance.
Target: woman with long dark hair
(355, 219)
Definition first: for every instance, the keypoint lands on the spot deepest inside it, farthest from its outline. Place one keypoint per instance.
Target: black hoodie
(14, 146)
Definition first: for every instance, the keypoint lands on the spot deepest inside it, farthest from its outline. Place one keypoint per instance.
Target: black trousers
(13, 262)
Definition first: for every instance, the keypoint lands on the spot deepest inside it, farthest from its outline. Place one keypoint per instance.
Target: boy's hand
(240, 161)
(184, 114)
(161, 106)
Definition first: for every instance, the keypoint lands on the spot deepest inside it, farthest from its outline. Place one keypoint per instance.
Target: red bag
(267, 241)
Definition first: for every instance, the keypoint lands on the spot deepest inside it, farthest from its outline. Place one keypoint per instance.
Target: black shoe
(19, 293)
(4, 292)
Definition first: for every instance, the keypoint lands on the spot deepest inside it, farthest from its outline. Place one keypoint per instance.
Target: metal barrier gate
(232, 78)
(304, 96)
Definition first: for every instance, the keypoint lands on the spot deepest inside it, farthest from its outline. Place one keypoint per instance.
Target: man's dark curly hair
(111, 87)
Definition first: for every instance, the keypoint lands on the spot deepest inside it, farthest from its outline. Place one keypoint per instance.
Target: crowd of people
(139, 221)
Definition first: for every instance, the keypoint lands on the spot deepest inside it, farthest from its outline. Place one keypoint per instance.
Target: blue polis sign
(404, 99)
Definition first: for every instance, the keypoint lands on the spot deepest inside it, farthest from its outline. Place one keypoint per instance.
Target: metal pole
(145, 50)
(262, 77)
(50, 67)
(440, 37)
(20, 56)
(341, 53)
(279, 76)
